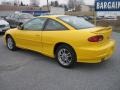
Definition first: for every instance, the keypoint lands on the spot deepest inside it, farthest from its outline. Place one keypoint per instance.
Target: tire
(10, 43)
(65, 56)
(2, 33)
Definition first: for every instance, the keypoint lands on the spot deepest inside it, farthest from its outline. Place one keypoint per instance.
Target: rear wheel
(65, 56)
(10, 43)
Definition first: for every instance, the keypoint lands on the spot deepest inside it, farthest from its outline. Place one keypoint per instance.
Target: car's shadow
(36, 55)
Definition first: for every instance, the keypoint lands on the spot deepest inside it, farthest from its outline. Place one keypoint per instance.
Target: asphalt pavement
(27, 70)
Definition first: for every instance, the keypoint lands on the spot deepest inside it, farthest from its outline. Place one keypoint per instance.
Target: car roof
(52, 16)
(23, 14)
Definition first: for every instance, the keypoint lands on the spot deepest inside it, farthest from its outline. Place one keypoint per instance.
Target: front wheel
(65, 56)
(10, 43)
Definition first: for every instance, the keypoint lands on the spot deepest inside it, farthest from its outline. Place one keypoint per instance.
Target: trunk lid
(96, 31)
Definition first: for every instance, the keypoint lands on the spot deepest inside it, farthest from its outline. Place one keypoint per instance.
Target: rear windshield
(77, 22)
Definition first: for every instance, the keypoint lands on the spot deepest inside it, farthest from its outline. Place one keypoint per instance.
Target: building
(54, 10)
(8, 9)
(34, 2)
(85, 8)
(57, 10)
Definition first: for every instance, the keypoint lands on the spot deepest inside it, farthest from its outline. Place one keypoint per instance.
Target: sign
(107, 5)
(35, 12)
(108, 13)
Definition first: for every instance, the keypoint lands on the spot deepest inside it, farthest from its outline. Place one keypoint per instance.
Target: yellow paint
(45, 41)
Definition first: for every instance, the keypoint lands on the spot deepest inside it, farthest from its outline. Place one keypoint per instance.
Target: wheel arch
(7, 35)
(63, 43)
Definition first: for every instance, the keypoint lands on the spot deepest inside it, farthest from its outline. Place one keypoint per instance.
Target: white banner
(108, 13)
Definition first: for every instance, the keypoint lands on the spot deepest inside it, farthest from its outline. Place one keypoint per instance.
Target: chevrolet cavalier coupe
(68, 39)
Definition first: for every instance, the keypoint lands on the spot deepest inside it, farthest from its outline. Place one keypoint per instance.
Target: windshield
(78, 23)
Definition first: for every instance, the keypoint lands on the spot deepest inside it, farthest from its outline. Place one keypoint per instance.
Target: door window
(35, 24)
(53, 25)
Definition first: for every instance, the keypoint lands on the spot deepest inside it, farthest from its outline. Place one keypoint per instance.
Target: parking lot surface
(27, 70)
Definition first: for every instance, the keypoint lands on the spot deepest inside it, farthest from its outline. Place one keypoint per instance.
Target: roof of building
(17, 8)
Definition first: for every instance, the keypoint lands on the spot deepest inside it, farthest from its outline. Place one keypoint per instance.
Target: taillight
(96, 38)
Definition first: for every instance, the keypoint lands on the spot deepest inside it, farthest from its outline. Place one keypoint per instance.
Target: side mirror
(20, 26)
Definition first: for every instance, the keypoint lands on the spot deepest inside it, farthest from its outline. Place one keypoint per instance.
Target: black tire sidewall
(14, 46)
(70, 49)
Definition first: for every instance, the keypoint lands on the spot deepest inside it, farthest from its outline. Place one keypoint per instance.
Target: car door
(52, 32)
(30, 36)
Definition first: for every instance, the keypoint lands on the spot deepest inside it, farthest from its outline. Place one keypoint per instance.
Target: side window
(35, 24)
(54, 26)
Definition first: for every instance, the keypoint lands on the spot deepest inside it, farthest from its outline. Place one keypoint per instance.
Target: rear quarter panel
(71, 37)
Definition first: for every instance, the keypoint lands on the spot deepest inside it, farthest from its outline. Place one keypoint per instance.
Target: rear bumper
(95, 54)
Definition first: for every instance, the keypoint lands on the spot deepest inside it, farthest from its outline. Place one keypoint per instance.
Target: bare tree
(21, 4)
(48, 6)
(34, 2)
(75, 4)
(16, 2)
(71, 4)
(55, 3)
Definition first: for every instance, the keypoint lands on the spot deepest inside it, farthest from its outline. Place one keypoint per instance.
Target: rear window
(77, 22)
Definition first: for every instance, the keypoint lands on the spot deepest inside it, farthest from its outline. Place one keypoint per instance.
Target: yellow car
(69, 39)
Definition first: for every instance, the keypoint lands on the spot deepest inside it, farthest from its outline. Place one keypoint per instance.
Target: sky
(43, 2)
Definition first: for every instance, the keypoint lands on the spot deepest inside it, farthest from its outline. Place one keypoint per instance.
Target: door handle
(37, 35)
